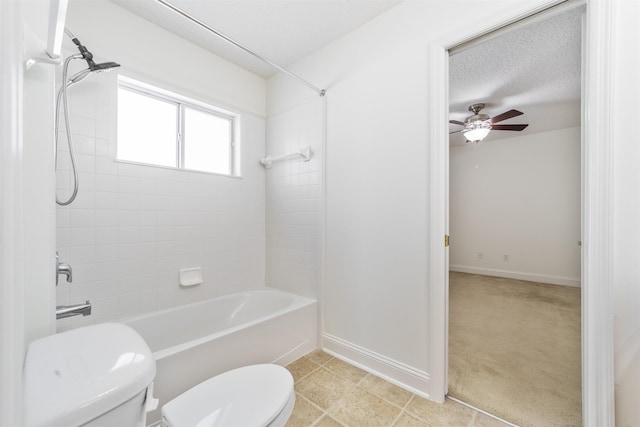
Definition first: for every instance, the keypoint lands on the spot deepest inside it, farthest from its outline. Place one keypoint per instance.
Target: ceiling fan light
(477, 131)
(476, 135)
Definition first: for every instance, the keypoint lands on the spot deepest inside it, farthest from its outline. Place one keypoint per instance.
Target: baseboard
(391, 370)
(540, 278)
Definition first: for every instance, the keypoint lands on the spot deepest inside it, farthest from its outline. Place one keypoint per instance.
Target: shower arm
(196, 21)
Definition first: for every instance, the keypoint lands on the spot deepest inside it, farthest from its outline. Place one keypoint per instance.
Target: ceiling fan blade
(456, 131)
(505, 116)
(456, 122)
(508, 127)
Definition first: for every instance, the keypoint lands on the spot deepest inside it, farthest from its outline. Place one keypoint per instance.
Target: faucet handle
(63, 268)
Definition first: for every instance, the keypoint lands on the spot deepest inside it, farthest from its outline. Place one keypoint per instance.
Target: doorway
(597, 285)
(514, 211)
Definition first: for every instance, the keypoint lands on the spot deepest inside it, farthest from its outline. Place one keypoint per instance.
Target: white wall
(294, 195)
(133, 227)
(518, 196)
(375, 279)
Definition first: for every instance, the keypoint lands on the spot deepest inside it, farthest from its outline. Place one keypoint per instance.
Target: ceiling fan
(478, 126)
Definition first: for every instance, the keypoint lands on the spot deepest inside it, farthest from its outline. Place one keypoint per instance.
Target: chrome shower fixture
(86, 55)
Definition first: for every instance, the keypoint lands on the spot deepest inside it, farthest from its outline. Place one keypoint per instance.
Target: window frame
(181, 103)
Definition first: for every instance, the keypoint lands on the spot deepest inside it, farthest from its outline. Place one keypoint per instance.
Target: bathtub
(194, 342)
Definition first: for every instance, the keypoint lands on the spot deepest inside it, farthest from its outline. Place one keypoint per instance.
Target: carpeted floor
(514, 349)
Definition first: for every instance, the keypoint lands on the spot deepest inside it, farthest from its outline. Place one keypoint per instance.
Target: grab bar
(305, 153)
(64, 311)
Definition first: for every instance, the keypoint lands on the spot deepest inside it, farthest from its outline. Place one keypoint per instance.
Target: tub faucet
(63, 268)
(64, 311)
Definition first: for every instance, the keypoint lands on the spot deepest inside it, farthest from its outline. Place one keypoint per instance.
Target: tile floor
(330, 392)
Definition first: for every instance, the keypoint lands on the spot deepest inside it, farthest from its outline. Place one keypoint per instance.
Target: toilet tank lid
(73, 377)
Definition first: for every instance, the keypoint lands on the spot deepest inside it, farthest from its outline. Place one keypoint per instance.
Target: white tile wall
(132, 227)
(294, 201)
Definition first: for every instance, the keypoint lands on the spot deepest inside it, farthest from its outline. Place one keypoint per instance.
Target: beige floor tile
(345, 370)
(324, 383)
(324, 388)
(301, 368)
(304, 413)
(449, 413)
(361, 408)
(319, 356)
(482, 420)
(327, 421)
(386, 390)
(407, 420)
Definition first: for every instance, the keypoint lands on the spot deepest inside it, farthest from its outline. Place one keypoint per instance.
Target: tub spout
(64, 311)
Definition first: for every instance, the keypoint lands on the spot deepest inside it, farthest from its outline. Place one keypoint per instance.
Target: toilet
(257, 395)
(102, 376)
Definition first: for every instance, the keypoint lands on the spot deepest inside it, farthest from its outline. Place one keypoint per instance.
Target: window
(161, 128)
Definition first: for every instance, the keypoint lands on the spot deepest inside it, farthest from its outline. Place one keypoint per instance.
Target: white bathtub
(197, 341)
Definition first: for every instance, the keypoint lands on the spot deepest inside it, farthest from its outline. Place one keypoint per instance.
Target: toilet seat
(255, 396)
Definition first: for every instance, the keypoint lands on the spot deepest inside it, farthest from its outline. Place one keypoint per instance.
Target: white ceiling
(533, 68)
(283, 31)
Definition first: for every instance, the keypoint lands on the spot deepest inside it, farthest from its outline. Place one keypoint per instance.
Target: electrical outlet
(505, 257)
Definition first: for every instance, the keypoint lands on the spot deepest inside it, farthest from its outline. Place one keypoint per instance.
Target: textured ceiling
(533, 68)
(283, 31)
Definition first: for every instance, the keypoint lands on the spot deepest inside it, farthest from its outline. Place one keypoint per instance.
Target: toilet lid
(249, 396)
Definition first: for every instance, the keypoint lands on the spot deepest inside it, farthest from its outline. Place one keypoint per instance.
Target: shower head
(88, 56)
(105, 66)
(94, 68)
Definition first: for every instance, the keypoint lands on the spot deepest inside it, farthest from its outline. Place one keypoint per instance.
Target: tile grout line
(321, 416)
(403, 410)
(320, 366)
(342, 397)
(472, 422)
(358, 385)
(306, 375)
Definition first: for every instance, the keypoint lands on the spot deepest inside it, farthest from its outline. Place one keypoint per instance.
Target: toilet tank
(80, 376)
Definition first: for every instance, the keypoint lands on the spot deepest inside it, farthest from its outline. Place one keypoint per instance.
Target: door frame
(12, 260)
(597, 284)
